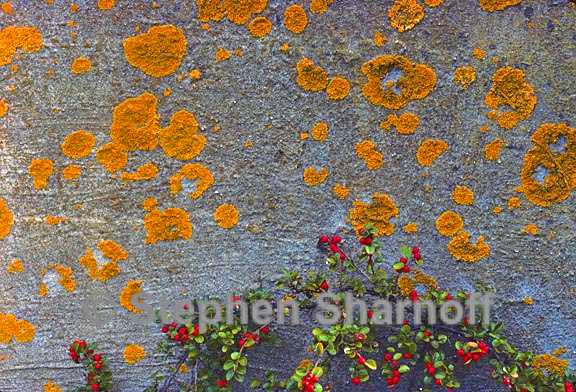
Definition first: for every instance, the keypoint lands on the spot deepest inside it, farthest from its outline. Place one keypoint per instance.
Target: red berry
(342, 256)
(324, 239)
(182, 330)
(387, 357)
(324, 285)
(427, 333)
(414, 295)
(334, 248)
(221, 383)
(416, 253)
(394, 363)
(506, 381)
(396, 373)
(95, 387)
(97, 357)
(407, 355)
(405, 269)
(164, 329)
(370, 314)
(366, 241)
(356, 380)
(98, 366)
(431, 370)
(460, 353)
(438, 382)
(568, 387)
(336, 239)
(361, 360)
(82, 344)
(196, 330)
(186, 307)
(449, 297)
(403, 260)
(265, 330)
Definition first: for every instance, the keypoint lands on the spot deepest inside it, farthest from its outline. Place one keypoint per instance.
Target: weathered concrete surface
(244, 96)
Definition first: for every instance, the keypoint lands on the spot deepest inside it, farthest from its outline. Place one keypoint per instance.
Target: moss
(132, 288)
(168, 225)
(6, 219)
(497, 5)
(133, 354)
(405, 14)
(319, 131)
(71, 172)
(430, 150)
(464, 76)
(313, 177)
(144, 172)
(378, 213)
(463, 195)
(311, 77)
(158, 52)
(14, 38)
(260, 27)
(493, 149)
(226, 216)
(295, 18)
(181, 140)
(81, 65)
(40, 170)
(78, 144)
(340, 191)
(192, 172)
(462, 249)
(338, 88)
(366, 150)
(449, 223)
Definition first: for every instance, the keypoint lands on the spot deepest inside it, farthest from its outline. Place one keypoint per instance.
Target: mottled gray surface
(243, 96)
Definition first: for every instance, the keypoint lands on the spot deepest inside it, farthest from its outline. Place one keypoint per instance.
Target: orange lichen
(12, 328)
(42, 289)
(167, 92)
(285, 47)
(3, 107)
(50, 386)
(410, 228)
(106, 4)
(416, 82)
(462, 249)
(531, 229)
(78, 144)
(379, 213)
(433, 3)
(405, 14)
(295, 18)
(514, 202)
(54, 220)
(168, 225)
(313, 176)
(210, 10)
(132, 288)
(463, 195)
(6, 219)
(112, 250)
(112, 156)
(405, 124)
(133, 354)
(222, 54)
(181, 140)
(497, 210)
(81, 65)
(74, 8)
(449, 223)
(6, 8)
(260, 27)
(12, 38)
(497, 5)
(226, 216)
(341, 191)
(379, 39)
(144, 172)
(195, 74)
(135, 123)
(493, 150)
(509, 88)
(421, 277)
(560, 165)
(192, 172)
(158, 52)
(311, 77)
(40, 170)
(338, 88)
(102, 273)
(71, 172)
(240, 12)
(320, 6)
(528, 300)
(430, 150)
(66, 277)
(550, 363)
(366, 150)
(405, 285)
(149, 204)
(478, 54)
(319, 131)
(464, 76)
(15, 266)
(304, 135)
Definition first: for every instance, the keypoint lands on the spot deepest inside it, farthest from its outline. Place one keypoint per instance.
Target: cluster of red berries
(256, 337)
(309, 381)
(180, 333)
(332, 244)
(367, 238)
(221, 383)
(474, 355)
(403, 266)
(79, 352)
(394, 378)
(431, 370)
(568, 387)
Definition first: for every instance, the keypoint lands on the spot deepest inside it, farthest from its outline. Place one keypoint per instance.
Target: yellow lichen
(43, 289)
(311, 77)
(493, 150)
(497, 5)
(378, 213)
(135, 123)
(379, 39)
(81, 65)
(509, 88)
(430, 150)
(366, 150)
(222, 54)
(132, 288)
(550, 363)
(319, 131)
(295, 18)
(313, 176)
(50, 386)
(416, 82)
(71, 172)
(338, 88)
(449, 223)
(78, 144)
(112, 156)
(226, 216)
(320, 6)
(341, 191)
(405, 124)
(514, 202)
(531, 229)
(410, 228)
(260, 27)
(168, 225)
(158, 52)
(15, 266)
(463, 195)
(106, 4)
(405, 14)
(12, 328)
(6, 219)
(464, 76)
(462, 249)
(143, 173)
(181, 140)
(133, 354)
(12, 38)
(192, 172)
(40, 170)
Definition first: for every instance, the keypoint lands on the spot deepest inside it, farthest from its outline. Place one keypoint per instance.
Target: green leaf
(398, 266)
(440, 376)
(318, 388)
(235, 355)
(228, 365)
(406, 252)
(371, 364)
(397, 356)
(404, 369)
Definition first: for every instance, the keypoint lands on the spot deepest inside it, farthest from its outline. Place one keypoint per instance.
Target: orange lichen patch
(449, 223)
(531, 229)
(195, 74)
(6, 219)
(484, 128)
(405, 14)
(135, 123)
(416, 82)
(238, 52)
(54, 220)
(112, 156)
(285, 47)
(478, 54)
(106, 4)
(158, 52)
(71, 172)
(430, 150)
(42, 289)
(66, 277)
(550, 363)
(168, 225)
(311, 77)
(509, 88)
(463, 195)
(183, 369)
(528, 300)
(497, 210)
(192, 172)
(78, 144)
(295, 18)
(15, 266)
(181, 140)
(143, 173)
(112, 250)
(149, 204)
(493, 150)
(3, 107)
(433, 3)
(222, 54)
(462, 249)
(421, 277)
(559, 165)
(101, 273)
(132, 288)
(405, 285)
(40, 170)
(240, 12)
(379, 39)
(12, 38)
(410, 228)
(319, 131)
(464, 76)
(13, 328)
(134, 354)
(167, 92)
(366, 150)
(514, 202)
(260, 27)
(341, 191)
(497, 5)
(320, 6)
(405, 124)
(313, 177)
(74, 8)
(338, 88)
(7, 8)
(50, 386)
(379, 213)
(210, 10)
(81, 65)
(226, 216)
(304, 135)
